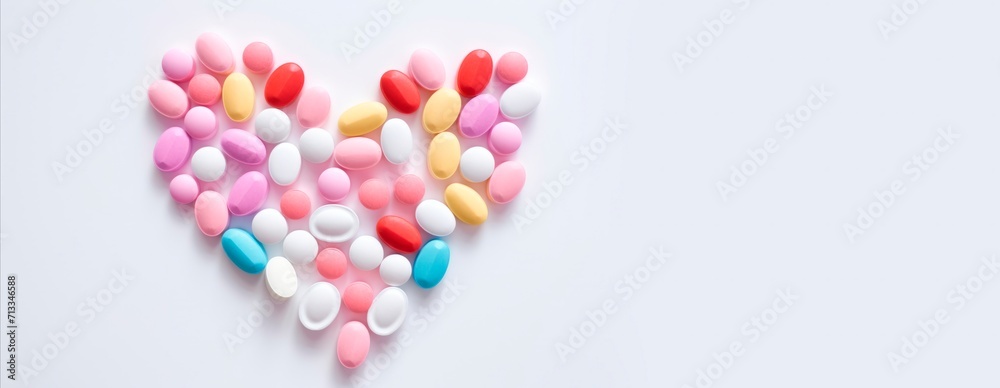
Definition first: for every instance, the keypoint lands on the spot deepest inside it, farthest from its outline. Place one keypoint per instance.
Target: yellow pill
(441, 110)
(237, 97)
(443, 155)
(466, 203)
(362, 118)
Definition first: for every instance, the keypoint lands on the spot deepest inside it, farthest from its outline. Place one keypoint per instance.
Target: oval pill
(248, 193)
(465, 203)
(244, 250)
(334, 223)
(284, 85)
(319, 306)
(204, 89)
(280, 278)
(441, 110)
(431, 263)
(474, 73)
(512, 67)
(353, 344)
(313, 107)
(395, 270)
(397, 141)
(177, 65)
(477, 164)
(400, 91)
(258, 58)
(284, 164)
(168, 99)
(506, 182)
(443, 155)
(519, 100)
(388, 311)
(171, 149)
(183, 189)
(316, 145)
(504, 138)
(208, 164)
(237, 97)
(272, 125)
(214, 53)
(269, 226)
(200, 123)
(210, 213)
(366, 253)
(398, 234)
(357, 153)
(478, 115)
(362, 118)
(243, 147)
(435, 218)
(427, 69)
(300, 247)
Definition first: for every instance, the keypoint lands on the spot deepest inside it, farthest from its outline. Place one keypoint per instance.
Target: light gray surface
(524, 288)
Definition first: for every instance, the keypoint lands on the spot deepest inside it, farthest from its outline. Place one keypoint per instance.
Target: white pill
(397, 141)
(334, 223)
(319, 306)
(519, 100)
(477, 164)
(435, 218)
(316, 145)
(395, 270)
(284, 164)
(269, 226)
(387, 312)
(272, 125)
(366, 253)
(279, 276)
(208, 164)
(300, 247)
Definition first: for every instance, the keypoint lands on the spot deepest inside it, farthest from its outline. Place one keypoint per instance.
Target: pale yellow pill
(441, 110)
(237, 97)
(443, 155)
(362, 118)
(466, 203)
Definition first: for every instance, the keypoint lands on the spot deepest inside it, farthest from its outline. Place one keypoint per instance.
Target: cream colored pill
(441, 110)
(443, 155)
(279, 276)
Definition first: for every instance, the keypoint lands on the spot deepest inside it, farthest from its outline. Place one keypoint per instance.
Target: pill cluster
(188, 94)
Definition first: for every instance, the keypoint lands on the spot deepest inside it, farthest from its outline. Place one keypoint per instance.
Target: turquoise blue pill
(431, 263)
(244, 250)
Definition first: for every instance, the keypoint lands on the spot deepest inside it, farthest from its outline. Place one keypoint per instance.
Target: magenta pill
(258, 58)
(171, 149)
(178, 65)
(512, 67)
(200, 123)
(504, 138)
(184, 189)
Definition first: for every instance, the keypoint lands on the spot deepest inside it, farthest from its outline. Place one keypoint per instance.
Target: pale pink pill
(409, 189)
(200, 123)
(171, 150)
(374, 194)
(357, 153)
(243, 147)
(353, 344)
(314, 107)
(210, 213)
(358, 297)
(248, 193)
(183, 189)
(334, 184)
(512, 67)
(427, 69)
(214, 53)
(178, 65)
(258, 58)
(478, 115)
(505, 138)
(331, 263)
(168, 99)
(204, 89)
(506, 182)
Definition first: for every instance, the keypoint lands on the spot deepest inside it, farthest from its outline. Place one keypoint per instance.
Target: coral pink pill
(505, 138)
(353, 344)
(512, 67)
(178, 65)
(295, 204)
(168, 99)
(334, 184)
(183, 189)
(409, 189)
(358, 297)
(331, 263)
(258, 58)
(204, 89)
(200, 123)
(374, 194)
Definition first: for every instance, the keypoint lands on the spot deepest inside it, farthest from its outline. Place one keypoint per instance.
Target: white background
(525, 286)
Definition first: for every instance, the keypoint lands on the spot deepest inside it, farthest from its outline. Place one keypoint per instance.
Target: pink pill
(374, 194)
(171, 149)
(295, 204)
(168, 99)
(210, 213)
(427, 69)
(200, 123)
(512, 67)
(314, 107)
(214, 53)
(505, 138)
(357, 153)
(178, 65)
(258, 58)
(184, 189)
(358, 297)
(243, 146)
(248, 193)
(331, 263)
(334, 184)
(506, 182)
(409, 189)
(353, 344)
(478, 115)
(204, 89)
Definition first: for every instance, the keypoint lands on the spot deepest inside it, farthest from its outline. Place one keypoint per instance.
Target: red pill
(400, 91)
(474, 73)
(398, 234)
(284, 85)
